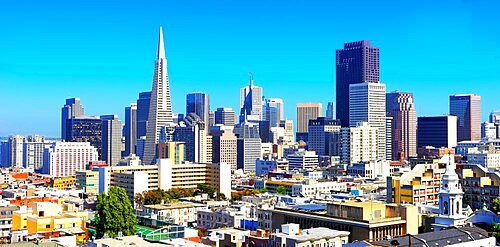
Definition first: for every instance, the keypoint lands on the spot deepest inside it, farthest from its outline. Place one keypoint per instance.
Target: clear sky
(103, 52)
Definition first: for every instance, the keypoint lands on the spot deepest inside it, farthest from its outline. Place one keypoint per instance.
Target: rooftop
(315, 233)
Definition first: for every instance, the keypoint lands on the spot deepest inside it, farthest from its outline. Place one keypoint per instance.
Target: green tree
(263, 190)
(220, 196)
(495, 228)
(207, 189)
(115, 213)
(495, 205)
(281, 190)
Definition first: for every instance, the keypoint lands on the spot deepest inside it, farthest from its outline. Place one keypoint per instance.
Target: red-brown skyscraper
(401, 107)
(358, 62)
(467, 107)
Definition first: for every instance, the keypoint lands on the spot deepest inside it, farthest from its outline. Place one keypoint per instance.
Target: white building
(367, 104)
(302, 159)
(63, 159)
(179, 213)
(33, 149)
(484, 158)
(488, 130)
(16, 151)
(224, 145)
(251, 101)
(359, 144)
(465, 147)
(224, 217)
(371, 169)
(311, 188)
(292, 236)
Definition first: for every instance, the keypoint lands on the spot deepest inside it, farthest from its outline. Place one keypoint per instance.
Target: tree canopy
(281, 190)
(115, 213)
(495, 205)
(152, 197)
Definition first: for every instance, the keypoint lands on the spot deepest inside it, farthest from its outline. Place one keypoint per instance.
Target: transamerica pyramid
(160, 108)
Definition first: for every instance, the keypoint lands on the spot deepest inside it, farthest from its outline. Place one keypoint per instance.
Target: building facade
(437, 131)
(306, 112)
(467, 108)
(111, 139)
(401, 107)
(199, 104)
(64, 159)
(225, 116)
(71, 109)
(130, 129)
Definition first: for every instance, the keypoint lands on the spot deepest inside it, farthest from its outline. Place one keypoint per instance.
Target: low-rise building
(179, 213)
(292, 236)
(88, 181)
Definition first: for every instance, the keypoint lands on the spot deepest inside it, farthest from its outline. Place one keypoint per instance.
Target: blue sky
(103, 52)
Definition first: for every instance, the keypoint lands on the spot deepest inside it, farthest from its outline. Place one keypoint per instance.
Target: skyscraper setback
(358, 62)
(467, 107)
(401, 107)
(160, 108)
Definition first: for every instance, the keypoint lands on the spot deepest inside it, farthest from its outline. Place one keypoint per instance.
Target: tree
(495, 228)
(115, 213)
(220, 196)
(263, 190)
(281, 190)
(207, 189)
(495, 205)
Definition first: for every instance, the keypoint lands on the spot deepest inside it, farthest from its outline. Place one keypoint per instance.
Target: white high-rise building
(302, 159)
(64, 159)
(16, 151)
(224, 145)
(488, 130)
(251, 102)
(160, 107)
(367, 104)
(359, 144)
(111, 139)
(275, 111)
(33, 152)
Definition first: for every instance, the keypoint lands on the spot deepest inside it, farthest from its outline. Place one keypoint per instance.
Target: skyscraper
(160, 108)
(225, 116)
(274, 111)
(33, 149)
(224, 143)
(359, 143)
(437, 131)
(367, 104)
(401, 107)
(111, 139)
(358, 62)
(85, 129)
(324, 136)
(251, 103)
(306, 112)
(142, 113)
(199, 104)
(467, 107)
(16, 151)
(71, 109)
(130, 129)
(329, 110)
(248, 146)
(198, 145)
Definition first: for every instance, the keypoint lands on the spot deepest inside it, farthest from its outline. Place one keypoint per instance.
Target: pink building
(64, 159)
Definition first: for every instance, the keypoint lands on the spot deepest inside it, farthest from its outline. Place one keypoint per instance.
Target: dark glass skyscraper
(71, 109)
(358, 62)
(142, 113)
(85, 129)
(198, 103)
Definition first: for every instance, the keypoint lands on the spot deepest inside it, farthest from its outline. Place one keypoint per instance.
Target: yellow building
(88, 181)
(63, 183)
(51, 220)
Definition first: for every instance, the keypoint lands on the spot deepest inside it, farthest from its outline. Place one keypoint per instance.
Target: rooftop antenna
(250, 74)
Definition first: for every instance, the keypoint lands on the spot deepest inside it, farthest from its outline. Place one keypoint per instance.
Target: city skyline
(104, 88)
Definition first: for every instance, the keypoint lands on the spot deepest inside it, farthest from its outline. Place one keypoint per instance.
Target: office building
(199, 104)
(88, 181)
(85, 129)
(172, 150)
(225, 116)
(495, 117)
(287, 125)
(224, 146)
(467, 107)
(197, 142)
(130, 129)
(111, 139)
(330, 111)
(274, 111)
(248, 146)
(16, 143)
(437, 131)
(4, 154)
(143, 103)
(359, 144)
(33, 149)
(367, 104)
(306, 112)
(324, 136)
(302, 160)
(251, 103)
(160, 108)
(488, 130)
(358, 62)
(401, 107)
(64, 159)
(71, 109)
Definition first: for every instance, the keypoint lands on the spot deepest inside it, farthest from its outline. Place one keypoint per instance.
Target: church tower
(450, 198)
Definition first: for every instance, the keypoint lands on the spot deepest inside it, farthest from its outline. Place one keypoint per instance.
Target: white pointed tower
(450, 198)
(160, 108)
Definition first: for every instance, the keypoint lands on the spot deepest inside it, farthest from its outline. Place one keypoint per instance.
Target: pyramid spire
(160, 54)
